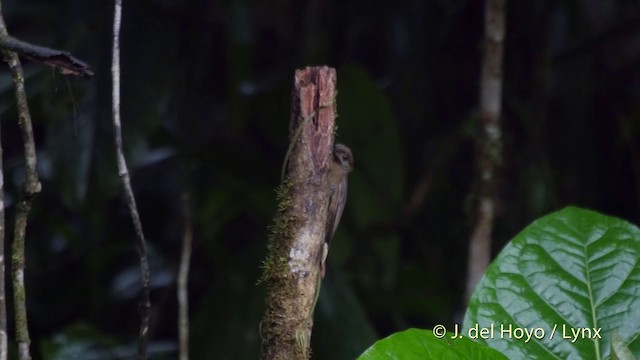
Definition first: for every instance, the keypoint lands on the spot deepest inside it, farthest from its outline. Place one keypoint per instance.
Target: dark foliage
(206, 88)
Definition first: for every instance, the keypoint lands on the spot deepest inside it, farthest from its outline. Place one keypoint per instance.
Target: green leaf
(365, 113)
(339, 315)
(423, 344)
(619, 350)
(571, 271)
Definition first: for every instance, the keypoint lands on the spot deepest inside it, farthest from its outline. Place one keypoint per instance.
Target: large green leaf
(340, 315)
(619, 349)
(364, 114)
(423, 344)
(573, 270)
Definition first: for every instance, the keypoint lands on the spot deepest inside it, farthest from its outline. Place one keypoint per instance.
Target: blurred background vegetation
(206, 96)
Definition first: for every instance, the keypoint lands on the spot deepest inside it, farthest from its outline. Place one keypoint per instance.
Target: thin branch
(126, 182)
(30, 188)
(489, 151)
(67, 63)
(295, 249)
(183, 278)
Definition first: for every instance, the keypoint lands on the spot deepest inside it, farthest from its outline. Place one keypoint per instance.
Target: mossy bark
(291, 269)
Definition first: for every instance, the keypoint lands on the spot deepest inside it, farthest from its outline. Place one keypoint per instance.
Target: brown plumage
(339, 169)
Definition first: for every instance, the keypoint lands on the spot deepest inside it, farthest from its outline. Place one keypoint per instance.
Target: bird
(339, 168)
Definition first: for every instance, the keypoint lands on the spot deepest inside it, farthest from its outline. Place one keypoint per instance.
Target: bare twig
(126, 182)
(183, 278)
(30, 188)
(295, 250)
(489, 151)
(67, 63)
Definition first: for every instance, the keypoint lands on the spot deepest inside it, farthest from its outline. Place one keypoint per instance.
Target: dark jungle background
(206, 94)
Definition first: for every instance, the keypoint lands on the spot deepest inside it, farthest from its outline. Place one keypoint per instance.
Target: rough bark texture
(30, 188)
(489, 151)
(291, 269)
